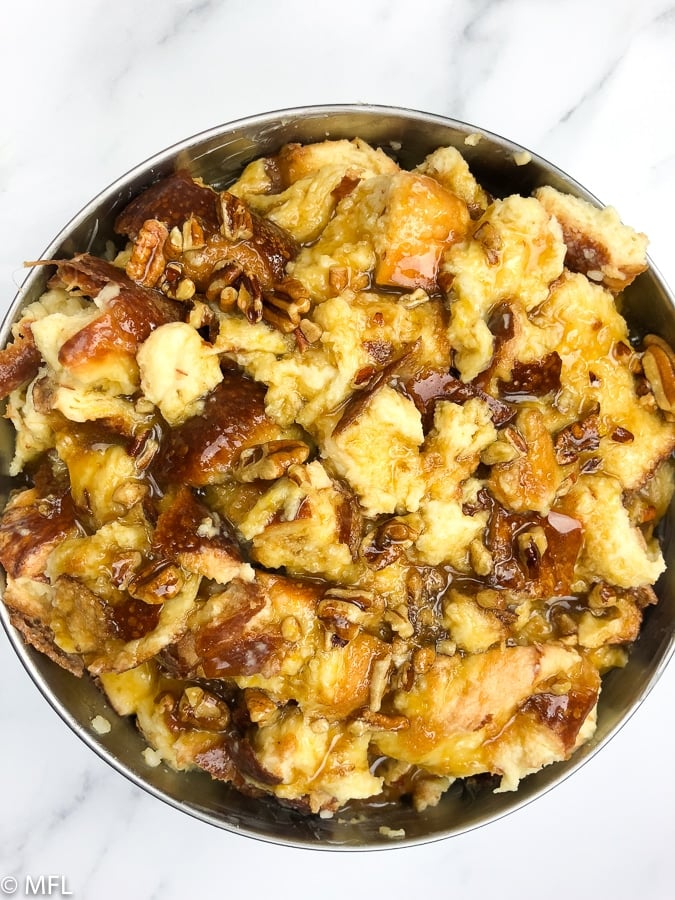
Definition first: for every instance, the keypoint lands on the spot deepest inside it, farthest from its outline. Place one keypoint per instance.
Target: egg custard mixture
(343, 481)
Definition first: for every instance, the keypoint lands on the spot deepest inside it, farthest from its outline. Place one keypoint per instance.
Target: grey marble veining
(90, 89)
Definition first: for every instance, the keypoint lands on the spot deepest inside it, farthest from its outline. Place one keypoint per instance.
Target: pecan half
(147, 261)
(236, 219)
(658, 362)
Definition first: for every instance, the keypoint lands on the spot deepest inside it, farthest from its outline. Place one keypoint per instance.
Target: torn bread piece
(598, 244)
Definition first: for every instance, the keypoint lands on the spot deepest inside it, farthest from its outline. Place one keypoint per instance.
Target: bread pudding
(344, 482)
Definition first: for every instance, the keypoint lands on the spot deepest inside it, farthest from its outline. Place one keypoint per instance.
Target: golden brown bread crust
(173, 200)
(598, 244)
(19, 361)
(41, 638)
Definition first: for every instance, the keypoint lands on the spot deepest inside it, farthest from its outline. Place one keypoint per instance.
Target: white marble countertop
(91, 88)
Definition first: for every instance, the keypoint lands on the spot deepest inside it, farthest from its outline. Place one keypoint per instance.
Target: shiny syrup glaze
(172, 201)
(530, 380)
(133, 618)
(19, 361)
(430, 385)
(205, 447)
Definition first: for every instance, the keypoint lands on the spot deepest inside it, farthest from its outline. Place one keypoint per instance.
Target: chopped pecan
(337, 616)
(349, 519)
(285, 304)
(250, 300)
(532, 545)
(344, 611)
(144, 448)
(658, 362)
(388, 542)
(272, 246)
(262, 710)
(423, 659)
(338, 278)
(225, 274)
(201, 709)
(535, 379)
(624, 353)
(269, 460)
(577, 438)
(310, 330)
(172, 284)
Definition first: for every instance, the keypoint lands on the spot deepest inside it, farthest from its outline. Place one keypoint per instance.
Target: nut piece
(379, 676)
(269, 460)
(338, 278)
(344, 611)
(399, 621)
(532, 545)
(147, 261)
(578, 437)
(236, 219)
(378, 721)
(388, 542)
(285, 305)
(249, 299)
(192, 237)
(221, 282)
(423, 659)
(310, 330)
(261, 708)
(658, 362)
(200, 709)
